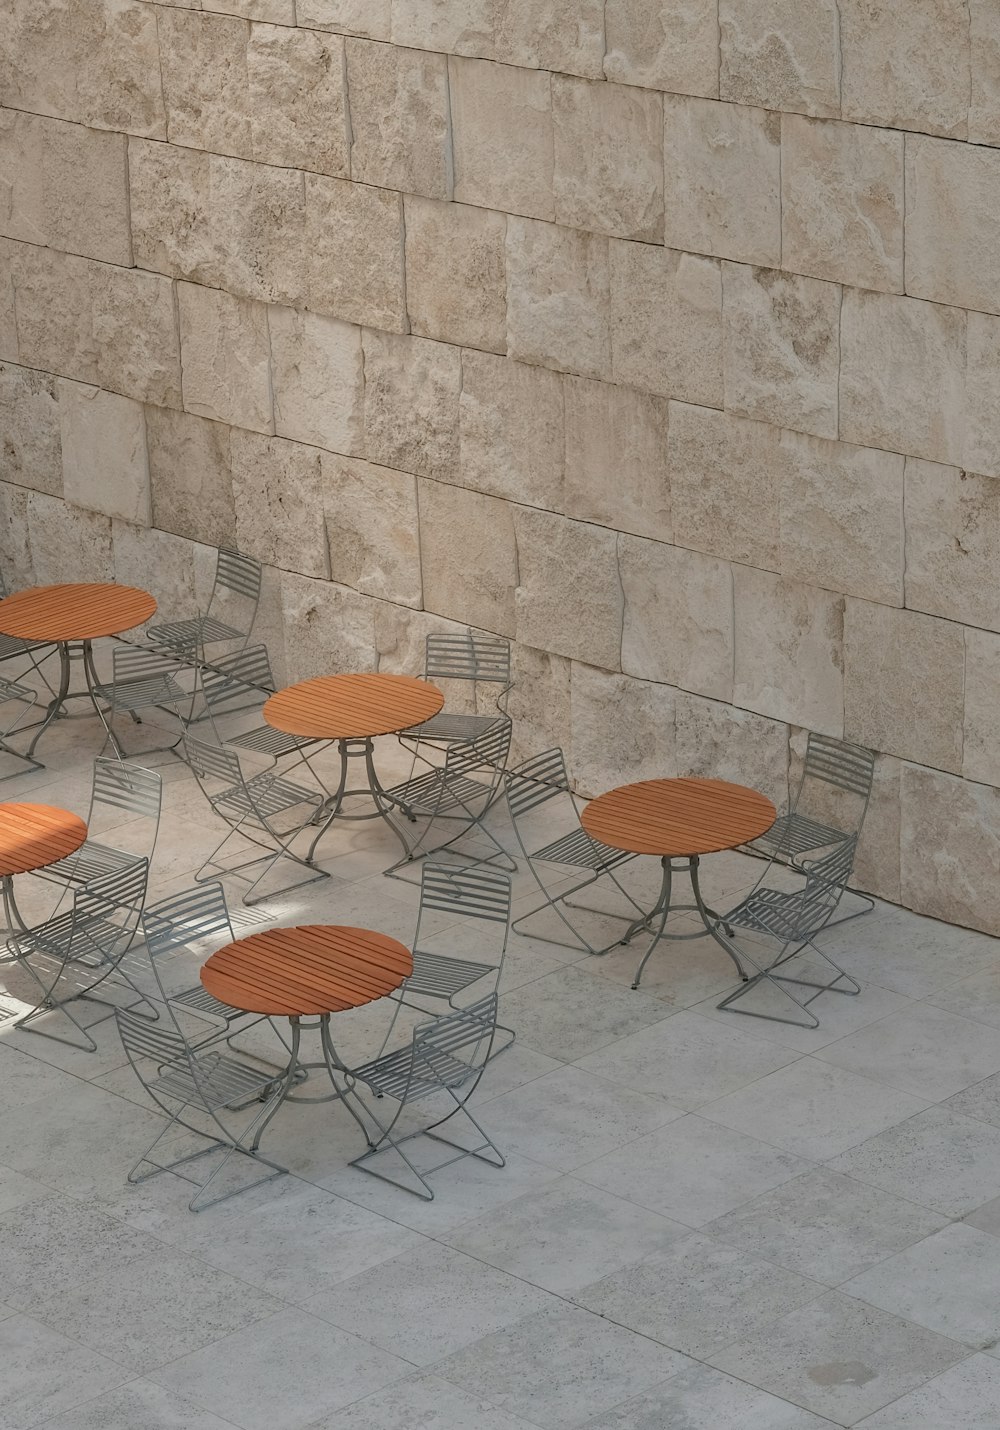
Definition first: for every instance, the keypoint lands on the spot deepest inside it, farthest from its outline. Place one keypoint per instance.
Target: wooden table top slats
(352, 707)
(33, 836)
(679, 817)
(305, 971)
(74, 611)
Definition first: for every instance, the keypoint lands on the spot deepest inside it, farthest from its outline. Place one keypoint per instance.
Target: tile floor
(707, 1222)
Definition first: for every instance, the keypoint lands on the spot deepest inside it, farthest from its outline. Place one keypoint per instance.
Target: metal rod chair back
(118, 789)
(470, 659)
(141, 678)
(237, 682)
(235, 596)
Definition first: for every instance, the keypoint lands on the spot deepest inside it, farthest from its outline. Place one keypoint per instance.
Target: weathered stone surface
(726, 475)
(789, 661)
(539, 702)
(950, 848)
(224, 352)
(952, 215)
(354, 246)
(329, 628)
(616, 458)
(66, 543)
(399, 118)
(841, 514)
(722, 179)
(952, 543)
(608, 172)
(781, 54)
(317, 372)
(401, 636)
(368, 18)
(564, 35)
(203, 58)
(278, 492)
(720, 742)
(456, 285)
(981, 742)
(511, 430)
(982, 441)
(371, 525)
(190, 473)
(104, 452)
(902, 375)
(906, 66)
(138, 550)
(298, 113)
(569, 597)
(666, 322)
(781, 348)
(15, 547)
(876, 864)
(276, 12)
(8, 325)
(478, 588)
(30, 451)
(621, 730)
(666, 44)
(904, 676)
(487, 100)
(984, 36)
(411, 404)
(450, 27)
(64, 186)
(558, 298)
(842, 202)
(678, 617)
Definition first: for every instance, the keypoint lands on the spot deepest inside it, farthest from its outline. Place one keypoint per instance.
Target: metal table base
(383, 802)
(664, 907)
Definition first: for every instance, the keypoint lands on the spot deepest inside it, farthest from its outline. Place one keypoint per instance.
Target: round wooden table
(353, 710)
(72, 616)
(679, 820)
(32, 836)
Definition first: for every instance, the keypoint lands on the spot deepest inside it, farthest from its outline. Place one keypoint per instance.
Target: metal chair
(121, 791)
(251, 807)
(235, 591)
(541, 783)
(445, 1056)
(17, 702)
(141, 679)
(479, 660)
(13, 647)
(237, 684)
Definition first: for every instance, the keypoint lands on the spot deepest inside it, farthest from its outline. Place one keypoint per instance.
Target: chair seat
(212, 1079)
(580, 851)
(197, 630)
(440, 976)
(11, 646)
(199, 1000)
(797, 834)
(436, 793)
(90, 861)
(67, 939)
(267, 793)
(401, 1074)
(140, 694)
(771, 911)
(452, 727)
(265, 741)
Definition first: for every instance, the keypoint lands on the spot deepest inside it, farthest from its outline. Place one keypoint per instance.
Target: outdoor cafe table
(679, 820)
(32, 836)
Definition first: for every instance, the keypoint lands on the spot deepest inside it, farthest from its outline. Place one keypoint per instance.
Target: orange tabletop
(299, 972)
(352, 707)
(35, 835)
(678, 818)
(74, 612)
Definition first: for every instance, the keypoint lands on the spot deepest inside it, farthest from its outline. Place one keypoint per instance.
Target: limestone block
(539, 703)
(984, 111)
(841, 517)
(842, 202)
(950, 847)
(666, 322)
(726, 475)
(903, 684)
(401, 637)
(450, 27)
(876, 864)
(204, 62)
(621, 730)
(190, 474)
(952, 212)
(399, 118)
(569, 597)
(722, 179)
(368, 18)
(720, 742)
(678, 624)
(487, 100)
(781, 54)
(278, 493)
(608, 173)
(64, 186)
(328, 629)
(564, 35)
(982, 443)
(902, 375)
(354, 245)
(469, 556)
(789, 661)
(138, 551)
(906, 66)
(67, 543)
(269, 627)
(317, 371)
(411, 404)
(558, 298)
(298, 111)
(616, 458)
(30, 451)
(275, 12)
(224, 352)
(104, 452)
(15, 546)
(952, 543)
(666, 44)
(511, 430)
(456, 284)
(781, 348)
(371, 525)
(981, 734)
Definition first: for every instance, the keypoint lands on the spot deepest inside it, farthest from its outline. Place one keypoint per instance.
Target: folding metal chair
(141, 679)
(535, 787)
(446, 1056)
(119, 791)
(16, 704)
(235, 594)
(476, 660)
(237, 685)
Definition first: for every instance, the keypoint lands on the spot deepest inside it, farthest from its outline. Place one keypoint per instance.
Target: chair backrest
(464, 655)
(211, 762)
(836, 782)
(144, 1040)
(478, 892)
(108, 909)
(464, 1037)
(20, 695)
(136, 662)
(237, 682)
(237, 579)
(126, 789)
(535, 781)
(486, 752)
(810, 909)
(174, 923)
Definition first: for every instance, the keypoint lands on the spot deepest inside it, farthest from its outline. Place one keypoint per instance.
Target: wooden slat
(678, 817)
(35, 835)
(74, 612)
(352, 707)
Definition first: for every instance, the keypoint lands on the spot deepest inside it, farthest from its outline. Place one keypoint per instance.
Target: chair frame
(142, 679)
(469, 656)
(234, 572)
(117, 784)
(26, 698)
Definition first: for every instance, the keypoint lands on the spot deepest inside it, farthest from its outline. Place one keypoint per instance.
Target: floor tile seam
(698, 1107)
(942, 1008)
(896, 1087)
(486, 1101)
(92, 1399)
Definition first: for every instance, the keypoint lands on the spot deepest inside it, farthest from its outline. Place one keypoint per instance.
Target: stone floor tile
(518, 1065)
(15, 1190)
(981, 1100)
(574, 1012)
(140, 1405)
(704, 1399)
(838, 1014)
(977, 996)
(24, 1078)
(908, 953)
(986, 1217)
(685, 975)
(43, 1374)
(922, 1050)
(424, 1400)
(962, 1398)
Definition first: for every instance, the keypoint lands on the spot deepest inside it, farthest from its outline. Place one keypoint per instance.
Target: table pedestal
(298, 1072)
(383, 802)
(70, 651)
(664, 907)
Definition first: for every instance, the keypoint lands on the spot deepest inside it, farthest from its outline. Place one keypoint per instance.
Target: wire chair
(251, 808)
(141, 679)
(22, 700)
(239, 683)
(473, 659)
(237, 584)
(449, 1056)
(121, 790)
(536, 785)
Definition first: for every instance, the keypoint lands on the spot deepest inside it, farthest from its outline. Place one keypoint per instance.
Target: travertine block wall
(662, 336)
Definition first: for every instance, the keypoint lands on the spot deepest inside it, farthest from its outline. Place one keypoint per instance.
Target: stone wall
(662, 336)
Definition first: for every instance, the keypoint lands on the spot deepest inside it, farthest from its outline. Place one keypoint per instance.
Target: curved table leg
(55, 705)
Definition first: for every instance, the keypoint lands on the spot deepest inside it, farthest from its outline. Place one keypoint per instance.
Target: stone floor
(707, 1222)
